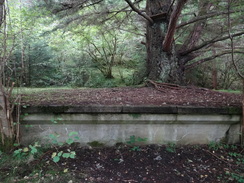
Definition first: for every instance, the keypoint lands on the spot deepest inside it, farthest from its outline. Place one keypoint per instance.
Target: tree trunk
(4, 122)
(2, 14)
(161, 55)
(5, 128)
(158, 61)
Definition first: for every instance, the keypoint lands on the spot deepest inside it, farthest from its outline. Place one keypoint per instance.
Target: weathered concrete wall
(114, 124)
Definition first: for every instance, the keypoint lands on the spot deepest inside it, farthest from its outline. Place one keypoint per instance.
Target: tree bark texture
(158, 61)
(1, 12)
(169, 38)
(5, 129)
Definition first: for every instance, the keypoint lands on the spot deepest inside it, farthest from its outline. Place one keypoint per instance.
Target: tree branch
(211, 58)
(195, 34)
(209, 42)
(74, 4)
(138, 11)
(172, 25)
(232, 46)
(205, 17)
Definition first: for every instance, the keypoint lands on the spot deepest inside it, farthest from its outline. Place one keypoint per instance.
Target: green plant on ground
(17, 164)
(218, 145)
(171, 147)
(236, 177)
(214, 145)
(135, 140)
(23, 172)
(54, 139)
(239, 157)
(72, 137)
(25, 152)
(56, 156)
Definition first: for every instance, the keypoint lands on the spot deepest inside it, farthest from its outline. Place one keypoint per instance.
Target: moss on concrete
(53, 109)
(96, 144)
(234, 110)
(135, 115)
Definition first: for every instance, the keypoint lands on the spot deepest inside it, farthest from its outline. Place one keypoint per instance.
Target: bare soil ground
(190, 96)
(132, 164)
(125, 163)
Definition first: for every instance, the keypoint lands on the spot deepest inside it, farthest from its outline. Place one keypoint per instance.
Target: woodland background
(102, 43)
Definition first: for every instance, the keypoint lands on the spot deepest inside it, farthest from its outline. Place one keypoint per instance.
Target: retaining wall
(113, 124)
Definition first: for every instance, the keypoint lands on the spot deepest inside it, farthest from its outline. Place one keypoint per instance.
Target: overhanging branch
(213, 14)
(139, 12)
(76, 4)
(209, 42)
(190, 66)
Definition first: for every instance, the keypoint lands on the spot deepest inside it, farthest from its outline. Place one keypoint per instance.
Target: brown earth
(185, 96)
(125, 163)
(156, 164)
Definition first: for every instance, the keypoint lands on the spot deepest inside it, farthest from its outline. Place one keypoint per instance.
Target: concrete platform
(113, 124)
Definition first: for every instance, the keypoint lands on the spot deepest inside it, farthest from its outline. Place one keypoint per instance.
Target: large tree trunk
(161, 55)
(157, 60)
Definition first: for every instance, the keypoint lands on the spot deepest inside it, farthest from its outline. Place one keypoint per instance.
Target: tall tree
(167, 22)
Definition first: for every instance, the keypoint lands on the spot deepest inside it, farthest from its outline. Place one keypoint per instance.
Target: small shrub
(134, 140)
(25, 152)
(171, 147)
(214, 146)
(56, 156)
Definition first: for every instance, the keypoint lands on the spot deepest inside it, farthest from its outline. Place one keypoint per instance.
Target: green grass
(26, 90)
(231, 91)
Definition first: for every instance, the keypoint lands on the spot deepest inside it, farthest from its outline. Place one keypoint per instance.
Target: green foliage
(54, 139)
(72, 138)
(135, 140)
(45, 55)
(56, 156)
(227, 78)
(214, 146)
(25, 152)
(219, 145)
(171, 147)
(236, 177)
